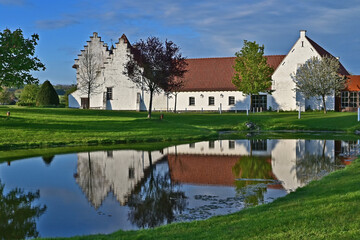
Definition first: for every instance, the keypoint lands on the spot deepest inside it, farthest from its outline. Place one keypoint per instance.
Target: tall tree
(47, 95)
(319, 78)
(17, 58)
(155, 66)
(89, 71)
(252, 73)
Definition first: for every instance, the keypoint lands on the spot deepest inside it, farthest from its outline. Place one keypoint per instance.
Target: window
(231, 100)
(131, 173)
(109, 92)
(344, 99)
(353, 99)
(231, 144)
(138, 97)
(211, 101)
(259, 145)
(211, 144)
(109, 154)
(259, 103)
(191, 101)
(192, 145)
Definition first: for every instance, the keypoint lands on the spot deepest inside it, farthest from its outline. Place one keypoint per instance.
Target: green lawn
(325, 209)
(44, 127)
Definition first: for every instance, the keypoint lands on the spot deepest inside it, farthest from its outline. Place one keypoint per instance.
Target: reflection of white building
(99, 173)
(293, 162)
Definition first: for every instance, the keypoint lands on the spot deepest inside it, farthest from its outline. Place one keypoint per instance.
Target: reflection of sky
(68, 211)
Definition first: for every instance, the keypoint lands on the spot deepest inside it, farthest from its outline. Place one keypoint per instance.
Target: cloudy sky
(202, 28)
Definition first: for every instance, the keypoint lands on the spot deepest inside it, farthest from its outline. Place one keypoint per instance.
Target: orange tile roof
(215, 74)
(353, 83)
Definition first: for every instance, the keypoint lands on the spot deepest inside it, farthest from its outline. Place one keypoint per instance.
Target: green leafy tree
(155, 66)
(28, 95)
(6, 97)
(18, 213)
(17, 58)
(47, 95)
(252, 73)
(319, 78)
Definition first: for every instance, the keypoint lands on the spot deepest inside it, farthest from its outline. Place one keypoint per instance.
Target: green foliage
(319, 77)
(252, 73)
(28, 95)
(6, 97)
(18, 213)
(17, 58)
(47, 95)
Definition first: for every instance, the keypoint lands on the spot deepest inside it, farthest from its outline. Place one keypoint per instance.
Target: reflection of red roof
(353, 83)
(200, 169)
(215, 74)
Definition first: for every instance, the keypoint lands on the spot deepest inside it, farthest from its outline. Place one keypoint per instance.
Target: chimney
(95, 34)
(302, 33)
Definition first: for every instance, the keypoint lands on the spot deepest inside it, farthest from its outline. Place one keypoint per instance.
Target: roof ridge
(276, 55)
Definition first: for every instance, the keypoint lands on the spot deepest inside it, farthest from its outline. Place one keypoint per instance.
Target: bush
(47, 95)
(28, 95)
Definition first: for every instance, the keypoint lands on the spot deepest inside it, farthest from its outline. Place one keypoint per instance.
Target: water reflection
(100, 192)
(17, 213)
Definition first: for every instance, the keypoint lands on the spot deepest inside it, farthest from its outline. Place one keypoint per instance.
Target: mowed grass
(42, 127)
(324, 209)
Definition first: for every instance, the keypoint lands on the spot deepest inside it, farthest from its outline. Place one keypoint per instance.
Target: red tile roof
(353, 83)
(205, 169)
(324, 53)
(215, 74)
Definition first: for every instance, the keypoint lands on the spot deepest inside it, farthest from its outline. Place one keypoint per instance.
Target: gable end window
(191, 101)
(109, 93)
(231, 100)
(211, 101)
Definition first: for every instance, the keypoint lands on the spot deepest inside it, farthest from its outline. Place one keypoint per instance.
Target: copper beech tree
(155, 66)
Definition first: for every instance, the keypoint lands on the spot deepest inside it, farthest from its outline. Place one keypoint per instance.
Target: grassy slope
(325, 209)
(31, 127)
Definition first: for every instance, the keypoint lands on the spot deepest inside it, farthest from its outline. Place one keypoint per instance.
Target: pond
(104, 191)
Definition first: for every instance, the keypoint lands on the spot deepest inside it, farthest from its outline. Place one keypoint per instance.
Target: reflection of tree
(157, 201)
(48, 159)
(17, 215)
(92, 180)
(312, 167)
(252, 167)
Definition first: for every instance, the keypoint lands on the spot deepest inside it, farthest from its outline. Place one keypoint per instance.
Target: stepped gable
(323, 53)
(215, 74)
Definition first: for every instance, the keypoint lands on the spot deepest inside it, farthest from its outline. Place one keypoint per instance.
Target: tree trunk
(175, 95)
(88, 106)
(150, 104)
(250, 103)
(324, 104)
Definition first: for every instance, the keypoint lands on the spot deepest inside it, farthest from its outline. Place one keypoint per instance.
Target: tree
(319, 77)
(155, 66)
(28, 95)
(17, 58)
(89, 71)
(6, 97)
(47, 95)
(19, 211)
(252, 73)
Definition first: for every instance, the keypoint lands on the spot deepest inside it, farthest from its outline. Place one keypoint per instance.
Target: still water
(103, 191)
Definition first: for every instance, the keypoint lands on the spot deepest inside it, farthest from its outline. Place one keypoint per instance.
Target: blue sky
(202, 28)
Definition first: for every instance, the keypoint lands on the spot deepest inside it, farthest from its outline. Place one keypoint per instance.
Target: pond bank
(324, 209)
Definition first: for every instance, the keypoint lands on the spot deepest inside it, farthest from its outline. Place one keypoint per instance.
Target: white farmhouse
(207, 84)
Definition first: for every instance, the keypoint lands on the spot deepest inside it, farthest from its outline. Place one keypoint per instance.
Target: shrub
(28, 95)
(47, 95)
